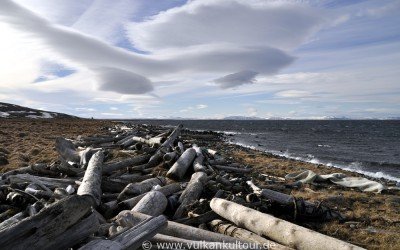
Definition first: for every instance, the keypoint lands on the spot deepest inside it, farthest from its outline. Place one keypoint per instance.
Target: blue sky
(202, 58)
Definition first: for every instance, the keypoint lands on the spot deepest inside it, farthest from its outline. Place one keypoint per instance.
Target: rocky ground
(372, 220)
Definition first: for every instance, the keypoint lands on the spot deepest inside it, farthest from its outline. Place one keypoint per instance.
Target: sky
(205, 59)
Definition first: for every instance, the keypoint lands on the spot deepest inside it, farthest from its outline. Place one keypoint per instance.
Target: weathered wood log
(198, 164)
(91, 184)
(67, 150)
(24, 170)
(199, 219)
(176, 229)
(191, 193)
(134, 189)
(131, 238)
(43, 230)
(75, 234)
(86, 154)
(49, 182)
(12, 220)
(114, 166)
(170, 156)
(226, 228)
(154, 141)
(167, 190)
(297, 208)
(278, 230)
(178, 170)
(233, 169)
(153, 203)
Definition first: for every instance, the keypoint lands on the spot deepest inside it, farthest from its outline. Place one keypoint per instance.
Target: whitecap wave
(352, 167)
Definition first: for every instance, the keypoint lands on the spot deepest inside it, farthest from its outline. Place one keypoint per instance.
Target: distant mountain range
(10, 111)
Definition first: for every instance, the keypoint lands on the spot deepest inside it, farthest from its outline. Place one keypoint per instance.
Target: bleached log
(12, 220)
(222, 227)
(132, 218)
(233, 169)
(43, 230)
(114, 166)
(167, 190)
(153, 203)
(49, 182)
(154, 141)
(67, 150)
(134, 189)
(86, 154)
(131, 238)
(191, 193)
(278, 230)
(198, 161)
(91, 184)
(178, 170)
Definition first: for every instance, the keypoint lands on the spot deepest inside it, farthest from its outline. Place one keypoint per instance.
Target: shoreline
(366, 174)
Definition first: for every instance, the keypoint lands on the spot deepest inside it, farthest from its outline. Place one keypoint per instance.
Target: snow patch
(4, 114)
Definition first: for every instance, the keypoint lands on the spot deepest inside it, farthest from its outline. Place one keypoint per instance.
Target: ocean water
(369, 147)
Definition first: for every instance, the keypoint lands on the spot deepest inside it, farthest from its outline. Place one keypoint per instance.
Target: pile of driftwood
(140, 183)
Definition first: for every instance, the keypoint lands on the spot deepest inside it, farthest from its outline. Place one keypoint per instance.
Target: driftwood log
(222, 227)
(91, 184)
(278, 230)
(134, 189)
(178, 170)
(43, 230)
(111, 167)
(191, 193)
(167, 190)
(175, 229)
(131, 238)
(153, 203)
(67, 150)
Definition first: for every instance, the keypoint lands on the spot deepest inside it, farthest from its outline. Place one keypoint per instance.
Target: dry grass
(31, 141)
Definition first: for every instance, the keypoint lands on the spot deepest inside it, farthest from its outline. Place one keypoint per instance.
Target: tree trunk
(278, 230)
(191, 193)
(91, 183)
(176, 229)
(178, 170)
(44, 229)
(166, 190)
(108, 168)
(199, 219)
(135, 189)
(51, 183)
(153, 203)
(131, 238)
(67, 150)
(228, 229)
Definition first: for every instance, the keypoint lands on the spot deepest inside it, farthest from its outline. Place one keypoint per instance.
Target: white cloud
(113, 108)
(201, 106)
(239, 22)
(251, 111)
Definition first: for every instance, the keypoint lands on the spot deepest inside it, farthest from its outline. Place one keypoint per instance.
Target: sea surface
(369, 147)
